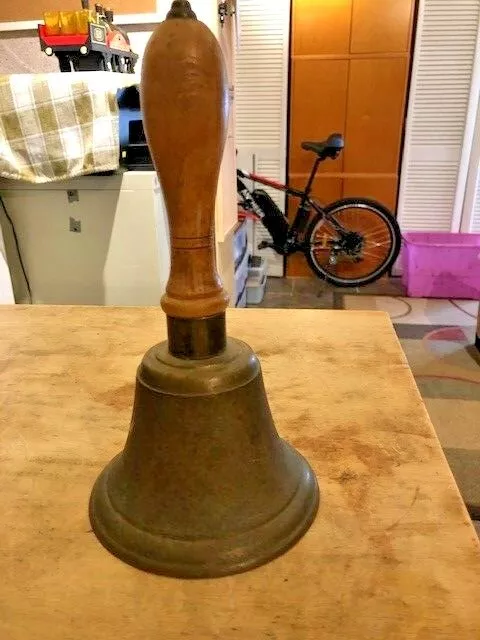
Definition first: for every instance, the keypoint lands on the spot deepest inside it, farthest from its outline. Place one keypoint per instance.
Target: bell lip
(202, 558)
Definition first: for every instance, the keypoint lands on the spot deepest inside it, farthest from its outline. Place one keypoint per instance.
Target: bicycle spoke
(377, 244)
(374, 251)
(374, 255)
(379, 235)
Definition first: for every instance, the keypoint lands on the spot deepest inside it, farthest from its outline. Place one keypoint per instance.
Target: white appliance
(92, 240)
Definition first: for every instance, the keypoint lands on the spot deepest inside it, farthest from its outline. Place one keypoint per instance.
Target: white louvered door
(471, 209)
(471, 217)
(441, 116)
(471, 222)
(262, 98)
(474, 226)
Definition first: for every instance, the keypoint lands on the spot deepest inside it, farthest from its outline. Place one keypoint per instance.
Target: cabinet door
(382, 189)
(376, 102)
(321, 27)
(318, 97)
(381, 27)
(350, 66)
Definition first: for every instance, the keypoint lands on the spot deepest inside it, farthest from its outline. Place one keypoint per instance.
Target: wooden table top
(391, 555)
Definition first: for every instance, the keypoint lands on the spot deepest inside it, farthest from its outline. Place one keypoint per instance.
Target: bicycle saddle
(328, 148)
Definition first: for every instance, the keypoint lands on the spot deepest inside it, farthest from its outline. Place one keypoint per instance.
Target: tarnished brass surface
(204, 487)
(196, 339)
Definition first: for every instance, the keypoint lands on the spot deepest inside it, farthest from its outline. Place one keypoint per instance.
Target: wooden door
(349, 74)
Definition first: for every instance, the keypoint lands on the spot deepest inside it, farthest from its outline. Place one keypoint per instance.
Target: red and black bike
(349, 243)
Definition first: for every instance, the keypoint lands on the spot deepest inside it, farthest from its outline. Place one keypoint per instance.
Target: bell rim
(205, 558)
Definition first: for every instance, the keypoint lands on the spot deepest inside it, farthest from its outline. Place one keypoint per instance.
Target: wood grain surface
(375, 116)
(185, 103)
(315, 119)
(321, 27)
(391, 555)
(381, 26)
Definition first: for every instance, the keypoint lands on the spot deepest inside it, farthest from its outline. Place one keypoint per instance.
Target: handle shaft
(184, 94)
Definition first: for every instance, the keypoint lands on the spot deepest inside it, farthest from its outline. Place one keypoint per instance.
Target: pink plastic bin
(442, 265)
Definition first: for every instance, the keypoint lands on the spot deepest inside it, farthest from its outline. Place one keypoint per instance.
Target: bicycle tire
(365, 205)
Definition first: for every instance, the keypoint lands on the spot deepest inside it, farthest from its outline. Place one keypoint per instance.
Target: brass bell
(204, 487)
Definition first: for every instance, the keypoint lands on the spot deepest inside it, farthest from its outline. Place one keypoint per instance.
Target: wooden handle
(184, 94)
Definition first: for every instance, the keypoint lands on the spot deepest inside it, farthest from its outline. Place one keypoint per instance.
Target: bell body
(205, 487)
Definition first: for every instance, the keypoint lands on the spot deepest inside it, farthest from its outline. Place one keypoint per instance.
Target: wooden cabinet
(380, 27)
(321, 27)
(325, 189)
(379, 187)
(375, 113)
(318, 113)
(349, 73)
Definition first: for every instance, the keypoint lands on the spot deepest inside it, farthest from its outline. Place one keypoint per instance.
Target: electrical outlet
(75, 225)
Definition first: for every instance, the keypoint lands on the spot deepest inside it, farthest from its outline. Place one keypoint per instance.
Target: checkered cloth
(59, 125)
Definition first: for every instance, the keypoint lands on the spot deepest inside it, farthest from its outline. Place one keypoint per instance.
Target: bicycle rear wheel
(370, 249)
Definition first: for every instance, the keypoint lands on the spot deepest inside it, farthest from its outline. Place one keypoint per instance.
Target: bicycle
(350, 242)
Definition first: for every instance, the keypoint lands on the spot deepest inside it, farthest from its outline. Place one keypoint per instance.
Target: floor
(437, 337)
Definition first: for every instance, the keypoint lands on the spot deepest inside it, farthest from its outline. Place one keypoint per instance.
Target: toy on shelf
(86, 40)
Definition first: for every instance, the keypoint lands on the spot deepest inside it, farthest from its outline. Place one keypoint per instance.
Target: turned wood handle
(184, 94)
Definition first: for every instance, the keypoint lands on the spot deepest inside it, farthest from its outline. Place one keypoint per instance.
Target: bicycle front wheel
(369, 249)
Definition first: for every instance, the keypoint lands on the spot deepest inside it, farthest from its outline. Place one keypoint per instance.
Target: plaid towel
(59, 125)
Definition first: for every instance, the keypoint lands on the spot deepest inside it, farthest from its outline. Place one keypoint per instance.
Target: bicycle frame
(303, 212)
(364, 246)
